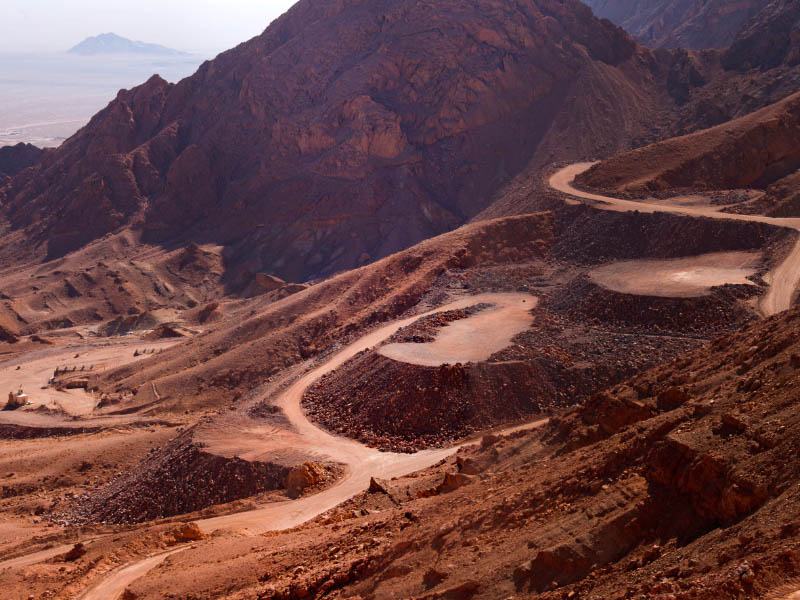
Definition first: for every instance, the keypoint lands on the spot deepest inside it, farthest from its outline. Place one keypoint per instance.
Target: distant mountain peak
(111, 43)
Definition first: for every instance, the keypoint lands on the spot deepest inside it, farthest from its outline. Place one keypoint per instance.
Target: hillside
(768, 40)
(759, 68)
(111, 43)
(754, 151)
(14, 159)
(679, 23)
(679, 483)
(426, 299)
(344, 133)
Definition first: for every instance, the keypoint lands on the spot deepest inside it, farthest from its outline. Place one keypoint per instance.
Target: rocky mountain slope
(679, 23)
(754, 151)
(760, 67)
(345, 132)
(753, 66)
(769, 40)
(14, 159)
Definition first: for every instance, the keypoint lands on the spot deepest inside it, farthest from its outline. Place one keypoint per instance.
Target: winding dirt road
(783, 280)
(361, 462)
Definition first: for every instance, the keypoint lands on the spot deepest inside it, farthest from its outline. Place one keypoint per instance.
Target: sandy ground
(33, 370)
(783, 280)
(473, 339)
(679, 278)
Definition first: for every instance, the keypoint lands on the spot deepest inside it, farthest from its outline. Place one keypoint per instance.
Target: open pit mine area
(421, 405)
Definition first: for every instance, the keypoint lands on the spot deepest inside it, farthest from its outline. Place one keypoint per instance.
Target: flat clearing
(33, 370)
(473, 339)
(678, 278)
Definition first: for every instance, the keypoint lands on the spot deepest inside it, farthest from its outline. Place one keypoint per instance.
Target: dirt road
(111, 587)
(783, 280)
(361, 461)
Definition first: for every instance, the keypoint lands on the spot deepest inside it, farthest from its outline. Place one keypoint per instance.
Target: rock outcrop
(679, 23)
(176, 479)
(769, 40)
(303, 477)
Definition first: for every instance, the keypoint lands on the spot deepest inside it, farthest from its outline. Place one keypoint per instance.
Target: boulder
(187, 532)
(75, 552)
(304, 476)
(376, 487)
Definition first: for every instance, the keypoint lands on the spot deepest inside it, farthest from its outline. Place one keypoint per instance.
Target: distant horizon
(201, 27)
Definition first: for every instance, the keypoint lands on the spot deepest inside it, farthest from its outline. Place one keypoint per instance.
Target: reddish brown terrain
(340, 316)
(14, 159)
(342, 133)
(680, 23)
(679, 483)
(254, 462)
(755, 151)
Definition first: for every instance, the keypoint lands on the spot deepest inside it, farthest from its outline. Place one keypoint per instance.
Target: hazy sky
(204, 26)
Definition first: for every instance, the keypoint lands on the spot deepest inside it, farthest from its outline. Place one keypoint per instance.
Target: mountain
(679, 23)
(111, 43)
(752, 145)
(769, 40)
(345, 132)
(753, 151)
(14, 159)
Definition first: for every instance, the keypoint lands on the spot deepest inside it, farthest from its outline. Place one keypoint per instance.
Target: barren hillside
(679, 23)
(679, 483)
(753, 151)
(343, 133)
(352, 313)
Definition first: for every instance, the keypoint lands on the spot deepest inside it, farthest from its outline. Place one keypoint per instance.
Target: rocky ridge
(14, 159)
(182, 478)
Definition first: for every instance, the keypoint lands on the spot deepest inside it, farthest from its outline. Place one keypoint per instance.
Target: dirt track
(783, 279)
(361, 461)
(114, 585)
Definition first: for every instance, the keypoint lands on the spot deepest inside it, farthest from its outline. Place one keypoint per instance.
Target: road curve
(112, 586)
(783, 280)
(361, 461)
